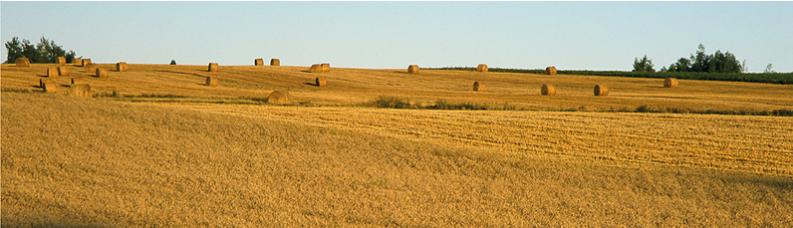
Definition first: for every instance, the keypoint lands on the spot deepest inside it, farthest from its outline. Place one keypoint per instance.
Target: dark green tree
(643, 65)
(719, 62)
(699, 61)
(46, 51)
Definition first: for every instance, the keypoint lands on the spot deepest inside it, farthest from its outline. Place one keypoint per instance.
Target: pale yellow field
(356, 86)
(334, 160)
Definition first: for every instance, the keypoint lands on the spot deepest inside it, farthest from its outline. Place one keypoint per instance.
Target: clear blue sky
(570, 35)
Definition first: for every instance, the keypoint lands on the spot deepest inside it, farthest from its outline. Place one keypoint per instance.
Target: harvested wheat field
(154, 146)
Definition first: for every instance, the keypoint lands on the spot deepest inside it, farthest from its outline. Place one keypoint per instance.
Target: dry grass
(131, 164)
(358, 86)
(125, 158)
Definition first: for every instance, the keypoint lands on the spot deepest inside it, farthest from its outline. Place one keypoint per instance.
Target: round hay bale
(278, 97)
(275, 62)
(481, 68)
(670, 82)
(85, 62)
(478, 87)
(173, 62)
(326, 67)
(22, 62)
(213, 67)
(61, 60)
(211, 81)
(315, 68)
(90, 68)
(548, 90)
(320, 81)
(601, 90)
(77, 61)
(63, 71)
(551, 70)
(49, 86)
(80, 90)
(101, 73)
(52, 72)
(121, 66)
(413, 69)
(258, 62)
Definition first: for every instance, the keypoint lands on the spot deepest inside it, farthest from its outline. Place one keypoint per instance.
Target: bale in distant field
(548, 90)
(77, 61)
(551, 70)
(49, 86)
(601, 90)
(213, 67)
(173, 62)
(85, 62)
(278, 97)
(315, 68)
(275, 62)
(481, 68)
(478, 87)
(320, 81)
(326, 67)
(211, 81)
(80, 90)
(52, 72)
(63, 71)
(258, 62)
(101, 73)
(61, 60)
(413, 69)
(670, 82)
(90, 68)
(22, 62)
(121, 66)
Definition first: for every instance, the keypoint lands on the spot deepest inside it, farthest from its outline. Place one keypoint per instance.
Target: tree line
(46, 51)
(718, 62)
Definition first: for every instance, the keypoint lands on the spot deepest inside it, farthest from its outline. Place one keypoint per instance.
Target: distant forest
(46, 51)
(718, 62)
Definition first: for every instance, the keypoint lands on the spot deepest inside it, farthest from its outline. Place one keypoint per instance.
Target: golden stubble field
(176, 159)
